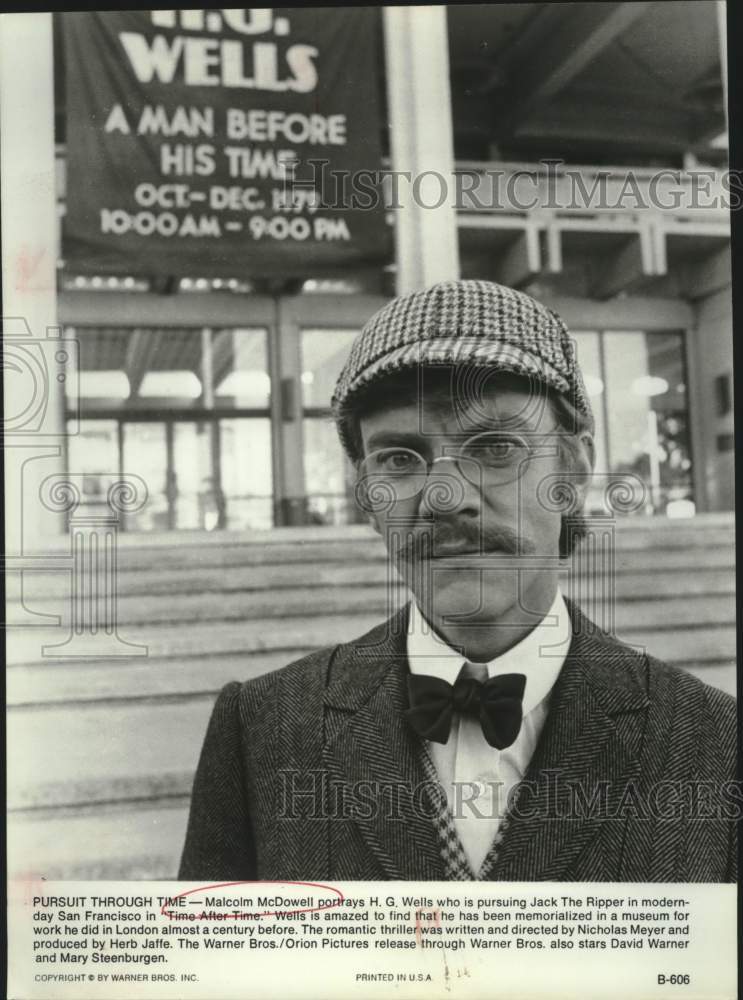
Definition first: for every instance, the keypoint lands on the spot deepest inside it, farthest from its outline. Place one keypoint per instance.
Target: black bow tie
(495, 702)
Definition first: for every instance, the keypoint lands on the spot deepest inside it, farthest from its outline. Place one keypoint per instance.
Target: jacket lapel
(587, 757)
(592, 735)
(371, 749)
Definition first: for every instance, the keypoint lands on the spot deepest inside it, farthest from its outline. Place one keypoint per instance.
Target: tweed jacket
(310, 773)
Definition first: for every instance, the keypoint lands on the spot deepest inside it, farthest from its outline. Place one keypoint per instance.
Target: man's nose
(448, 490)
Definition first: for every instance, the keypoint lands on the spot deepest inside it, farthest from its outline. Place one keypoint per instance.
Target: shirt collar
(539, 655)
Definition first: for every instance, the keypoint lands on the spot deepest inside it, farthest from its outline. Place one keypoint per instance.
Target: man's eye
(396, 460)
(498, 450)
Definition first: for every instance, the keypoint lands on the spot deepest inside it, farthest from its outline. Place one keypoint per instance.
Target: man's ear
(370, 515)
(585, 461)
(583, 457)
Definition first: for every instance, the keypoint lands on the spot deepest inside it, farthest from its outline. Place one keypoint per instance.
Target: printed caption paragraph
(94, 943)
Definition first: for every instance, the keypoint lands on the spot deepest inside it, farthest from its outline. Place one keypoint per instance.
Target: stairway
(102, 751)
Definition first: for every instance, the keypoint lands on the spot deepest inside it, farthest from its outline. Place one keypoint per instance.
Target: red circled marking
(267, 913)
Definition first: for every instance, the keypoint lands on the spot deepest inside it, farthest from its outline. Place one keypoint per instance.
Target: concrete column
(714, 455)
(290, 504)
(37, 365)
(419, 99)
(722, 38)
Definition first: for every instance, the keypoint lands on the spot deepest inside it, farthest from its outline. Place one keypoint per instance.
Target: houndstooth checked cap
(477, 323)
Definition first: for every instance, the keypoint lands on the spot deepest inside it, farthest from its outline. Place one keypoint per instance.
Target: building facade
(581, 157)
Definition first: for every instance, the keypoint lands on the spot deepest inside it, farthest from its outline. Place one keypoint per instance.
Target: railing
(555, 188)
(540, 206)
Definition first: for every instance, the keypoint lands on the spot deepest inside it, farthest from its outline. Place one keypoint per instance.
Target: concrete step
(127, 840)
(179, 680)
(272, 565)
(197, 579)
(135, 751)
(173, 680)
(667, 570)
(138, 613)
(108, 746)
(295, 544)
(314, 631)
(104, 753)
(359, 544)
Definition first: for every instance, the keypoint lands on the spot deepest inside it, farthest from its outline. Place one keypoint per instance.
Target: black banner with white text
(213, 142)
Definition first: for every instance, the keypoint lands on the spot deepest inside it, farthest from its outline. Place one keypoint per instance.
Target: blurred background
(214, 391)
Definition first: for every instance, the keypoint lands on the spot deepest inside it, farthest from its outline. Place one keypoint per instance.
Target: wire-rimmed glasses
(489, 458)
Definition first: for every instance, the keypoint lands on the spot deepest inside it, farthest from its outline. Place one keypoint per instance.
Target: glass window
(171, 368)
(93, 453)
(200, 474)
(240, 369)
(194, 492)
(589, 358)
(324, 353)
(145, 454)
(588, 347)
(328, 475)
(247, 475)
(647, 416)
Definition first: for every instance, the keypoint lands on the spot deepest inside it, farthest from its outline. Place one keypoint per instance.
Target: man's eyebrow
(495, 423)
(409, 439)
(413, 439)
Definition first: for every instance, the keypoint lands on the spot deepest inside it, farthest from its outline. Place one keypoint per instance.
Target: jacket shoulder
(689, 711)
(690, 695)
(699, 720)
(664, 684)
(307, 671)
(682, 682)
(317, 669)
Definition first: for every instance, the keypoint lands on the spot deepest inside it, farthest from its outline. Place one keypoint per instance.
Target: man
(488, 730)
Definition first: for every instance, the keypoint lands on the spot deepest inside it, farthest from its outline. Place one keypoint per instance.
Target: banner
(235, 143)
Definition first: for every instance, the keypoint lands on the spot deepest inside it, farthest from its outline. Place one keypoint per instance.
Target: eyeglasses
(490, 458)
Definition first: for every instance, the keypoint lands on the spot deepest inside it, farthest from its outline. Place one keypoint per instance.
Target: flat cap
(476, 323)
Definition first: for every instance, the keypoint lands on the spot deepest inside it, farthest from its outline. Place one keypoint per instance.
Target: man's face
(475, 538)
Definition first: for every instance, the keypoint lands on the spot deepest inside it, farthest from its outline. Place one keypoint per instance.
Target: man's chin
(463, 594)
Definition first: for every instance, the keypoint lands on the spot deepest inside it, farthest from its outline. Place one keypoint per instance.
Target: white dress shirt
(476, 777)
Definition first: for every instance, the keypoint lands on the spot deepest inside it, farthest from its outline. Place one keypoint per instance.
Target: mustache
(427, 541)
